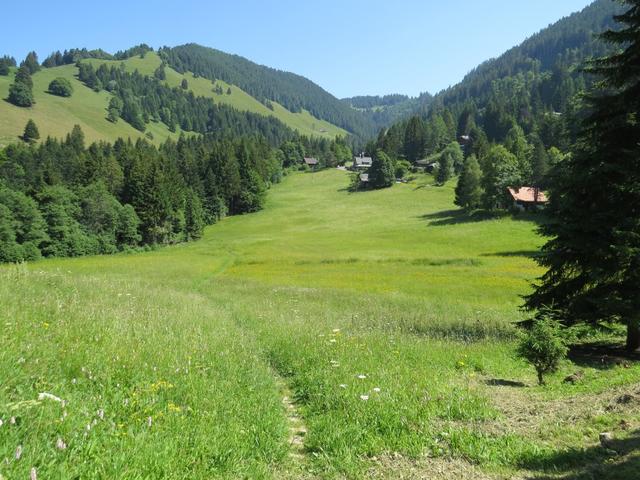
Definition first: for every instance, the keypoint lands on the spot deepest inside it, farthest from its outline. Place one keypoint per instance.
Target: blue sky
(349, 47)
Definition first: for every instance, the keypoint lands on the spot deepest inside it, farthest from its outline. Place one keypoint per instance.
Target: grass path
(384, 319)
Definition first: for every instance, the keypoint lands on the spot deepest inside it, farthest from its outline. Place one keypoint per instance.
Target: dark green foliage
(382, 171)
(184, 84)
(6, 63)
(142, 98)
(139, 50)
(61, 87)
(469, 190)
(500, 170)
(543, 346)
(61, 211)
(194, 216)
(539, 164)
(414, 139)
(289, 90)
(31, 63)
(21, 90)
(114, 111)
(31, 133)
(450, 162)
(160, 72)
(74, 55)
(22, 229)
(593, 257)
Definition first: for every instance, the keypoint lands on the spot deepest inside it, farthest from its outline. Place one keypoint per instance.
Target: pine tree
(593, 257)
(414, 139)
(184, 84)
(468, 190)
(31, 133)
(21, 90)
(31, 63)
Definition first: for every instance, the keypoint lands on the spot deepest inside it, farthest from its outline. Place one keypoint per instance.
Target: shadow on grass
(619, 460)
(516, 253)
(602, 355)
(460, 216)
(500, 382)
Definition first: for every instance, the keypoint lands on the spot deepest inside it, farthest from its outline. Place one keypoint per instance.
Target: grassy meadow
(55, 116)
(331, 335)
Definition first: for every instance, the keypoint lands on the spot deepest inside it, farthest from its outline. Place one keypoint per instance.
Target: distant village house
(528, 198)
(362, 162)
(311, 162)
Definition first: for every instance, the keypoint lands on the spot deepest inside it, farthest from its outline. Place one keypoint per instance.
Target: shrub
(61, 87)
(543, 346)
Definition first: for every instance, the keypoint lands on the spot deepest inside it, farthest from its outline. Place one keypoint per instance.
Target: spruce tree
(593, 256)
(31, 133)
(414, 139)
(31, 63)
(21, 90)
(381, 173)
(468, 190)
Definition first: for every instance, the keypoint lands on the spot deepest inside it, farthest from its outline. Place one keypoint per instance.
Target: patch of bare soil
(394, 467)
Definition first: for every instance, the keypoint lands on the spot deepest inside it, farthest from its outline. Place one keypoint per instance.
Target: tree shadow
(461, 216)
(500, 382)
(602, 355)
(516, 253)
(619, 460)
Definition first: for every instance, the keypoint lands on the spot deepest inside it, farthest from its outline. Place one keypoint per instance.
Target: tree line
(62, 198)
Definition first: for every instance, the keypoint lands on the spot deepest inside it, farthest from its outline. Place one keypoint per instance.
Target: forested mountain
(526, 100)
(292, 91)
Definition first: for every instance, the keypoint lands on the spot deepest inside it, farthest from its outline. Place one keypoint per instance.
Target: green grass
(55, 116)
(386, 314)
(304, 122)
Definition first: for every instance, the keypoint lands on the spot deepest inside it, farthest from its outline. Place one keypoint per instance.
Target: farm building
(428, 165)
(526, 198)
(311, 162)
(362, 162)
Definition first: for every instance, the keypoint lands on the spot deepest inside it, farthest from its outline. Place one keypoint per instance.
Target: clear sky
(349, 47)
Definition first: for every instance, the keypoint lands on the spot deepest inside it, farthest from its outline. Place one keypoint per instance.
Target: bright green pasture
(386, 315)
(303, 121)
(55, 116)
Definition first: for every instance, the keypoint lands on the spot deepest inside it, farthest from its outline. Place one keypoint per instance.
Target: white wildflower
(12, 420)
(18, 453)
(74, 381)
(376, 389)
(364, 397)
(342, 385)
(149, 421)
(333, 340)
(336, 330)
(362, 377)
(33, 475)
(100, 414)
(49, 396)
(60, 445)
(1, 422)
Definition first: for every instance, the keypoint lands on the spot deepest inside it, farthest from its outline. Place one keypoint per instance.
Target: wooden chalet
(361, 162)
(311, 162)
(527, 198)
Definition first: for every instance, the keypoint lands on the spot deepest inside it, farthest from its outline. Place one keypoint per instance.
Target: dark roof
(425, 162)
(362, 161)
(528, 195)
(310, 161)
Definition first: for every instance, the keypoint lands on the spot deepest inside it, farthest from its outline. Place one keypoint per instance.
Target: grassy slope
(56, 116)
(304, 122)
(321, 287)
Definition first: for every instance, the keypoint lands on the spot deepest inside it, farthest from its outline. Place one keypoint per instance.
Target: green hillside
(331, 335)
(304, 122)
(56, 116)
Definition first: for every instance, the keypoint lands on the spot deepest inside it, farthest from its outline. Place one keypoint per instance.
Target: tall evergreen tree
(414, 139)
(21, 90)
(31, 133)
(31, 63)
(593, 257)
(468, 190)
